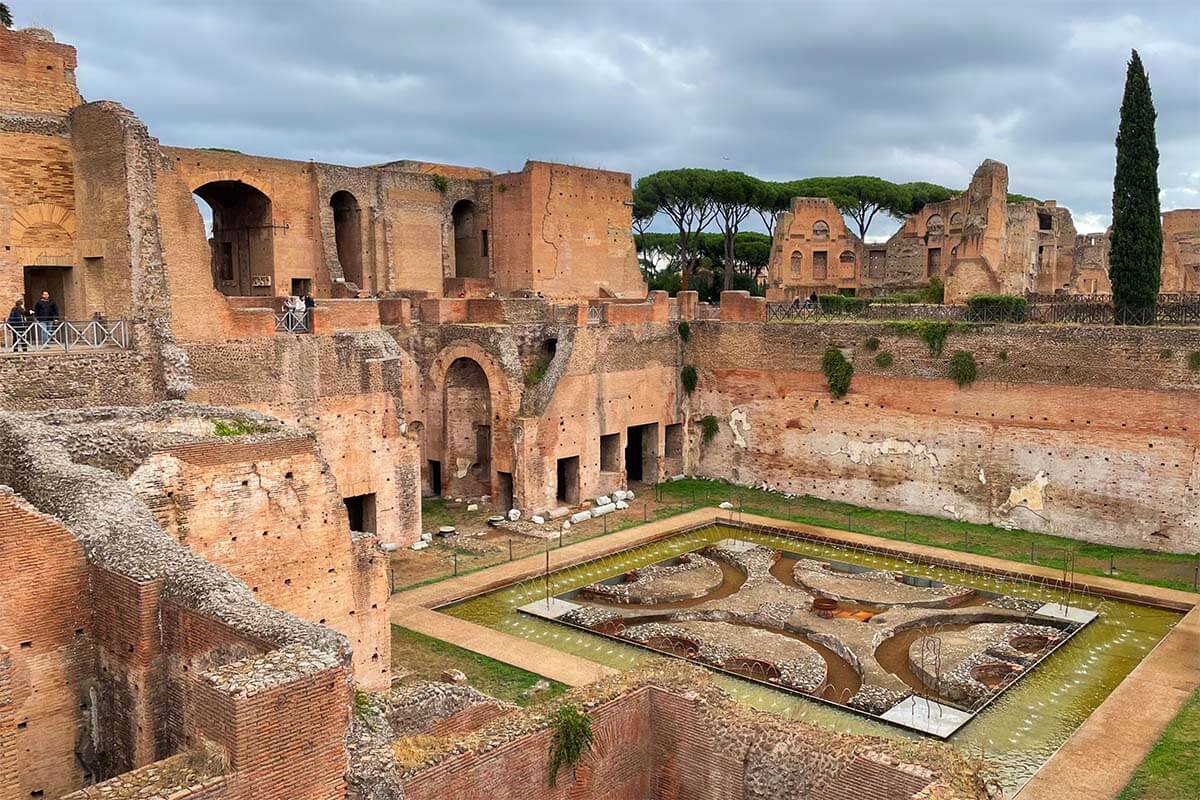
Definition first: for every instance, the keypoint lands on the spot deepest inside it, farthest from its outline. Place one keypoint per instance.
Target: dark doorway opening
(610, 452)
(468, 263)
(347, 234)
(47, 279)
(301, 286)
(435, 478)
(568, 480)
(504, 486)
(641, 453)
(361, 511)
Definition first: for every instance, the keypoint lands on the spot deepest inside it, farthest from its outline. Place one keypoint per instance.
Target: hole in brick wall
(22, 726)
(321, 620)
(37, 793)
(245, 483)
(287, 475)
(287, 581)
(79, 631)
(26, 645)
(130, 647)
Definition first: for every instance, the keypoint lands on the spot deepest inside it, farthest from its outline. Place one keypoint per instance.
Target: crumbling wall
(1181, 251)
(1083, 432)
(813, 229)
(269, 511)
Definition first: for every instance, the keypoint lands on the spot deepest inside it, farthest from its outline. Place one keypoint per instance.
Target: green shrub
(997, 308)
(688, 376)
(537, 371)
(963, 368)
(838, 372)
(932, 333)
(236, 427)
(1194, 360)
(685, 330)
(1166, 354)
(572, 739)
(884, 359)
(708, 428)
(842, 304)
(935, 292)
(440, 183)
(362, 703)
(1002, 355)
(871, 344)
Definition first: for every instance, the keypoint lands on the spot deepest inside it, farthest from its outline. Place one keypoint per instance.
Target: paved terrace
(1095, 763)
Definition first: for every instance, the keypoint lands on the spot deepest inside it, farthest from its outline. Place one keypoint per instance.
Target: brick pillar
(10, 784)
(687, 304)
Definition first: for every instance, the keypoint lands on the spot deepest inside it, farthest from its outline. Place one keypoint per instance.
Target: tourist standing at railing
(18, 322)
(46, 311)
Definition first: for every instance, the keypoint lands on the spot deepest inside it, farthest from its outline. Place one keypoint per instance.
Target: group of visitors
(810, 302)
(298, 307)
(44, 315)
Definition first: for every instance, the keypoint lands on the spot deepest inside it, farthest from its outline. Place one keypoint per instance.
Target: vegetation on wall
(932, 332)
(685, 331)
(537, 371)
(573, 738)
(1135, 244)
(440, 183)
(708, 428)
(842, 304)
(838, 372)
(1194, 360)
(963, 368)
(871, 343)
(236, 427)
(688, 376)
(932, 294)
(997, 308)
(884, 359)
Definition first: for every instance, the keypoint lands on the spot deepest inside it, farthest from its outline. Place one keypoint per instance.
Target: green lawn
(1171, 771)
(427, 657)
(1172, 570)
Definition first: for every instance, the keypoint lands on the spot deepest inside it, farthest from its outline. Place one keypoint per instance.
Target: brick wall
(617, 766)
(37, 75)
(50, 381)
(1092, 428)
(49, 663)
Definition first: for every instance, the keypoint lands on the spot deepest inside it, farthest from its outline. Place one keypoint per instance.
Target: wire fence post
(645, 510)
(1032, 559)
(510, 548)
(456, 562)
(560, 540)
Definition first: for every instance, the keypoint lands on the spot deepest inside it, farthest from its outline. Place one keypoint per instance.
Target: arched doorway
(468, 257)
(347, 233)
(241, 236)
(467, 427)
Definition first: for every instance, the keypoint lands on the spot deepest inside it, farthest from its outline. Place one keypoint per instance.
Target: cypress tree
(1135, 246)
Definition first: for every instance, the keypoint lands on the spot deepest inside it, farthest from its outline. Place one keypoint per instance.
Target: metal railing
(597, 315)
(1171, 309)
(291, 320)
(65, 335)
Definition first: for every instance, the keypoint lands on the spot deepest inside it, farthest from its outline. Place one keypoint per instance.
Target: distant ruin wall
(1083, 432)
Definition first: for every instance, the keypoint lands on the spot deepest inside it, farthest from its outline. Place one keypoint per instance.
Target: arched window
(847, 257)
(242, 238)
(956, 222)
(821, 230)
(797, 262)
(935, 226)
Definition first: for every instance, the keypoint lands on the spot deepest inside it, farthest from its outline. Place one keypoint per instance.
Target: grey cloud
(781, 89)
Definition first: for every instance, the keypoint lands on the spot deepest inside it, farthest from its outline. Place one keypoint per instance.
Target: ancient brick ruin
(197, 516)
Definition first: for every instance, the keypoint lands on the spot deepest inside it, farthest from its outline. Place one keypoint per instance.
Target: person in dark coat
(46, 312)
(18, 322)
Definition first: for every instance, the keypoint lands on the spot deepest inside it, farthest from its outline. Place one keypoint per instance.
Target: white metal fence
(291, 320)
(64, 335)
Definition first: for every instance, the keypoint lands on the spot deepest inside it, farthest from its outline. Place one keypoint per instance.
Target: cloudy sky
(906, 91)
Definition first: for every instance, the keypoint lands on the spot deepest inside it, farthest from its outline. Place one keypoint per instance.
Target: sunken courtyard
(402, 481)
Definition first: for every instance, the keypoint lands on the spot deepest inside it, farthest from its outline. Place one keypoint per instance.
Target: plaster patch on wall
(739, 416)
(982, 476)
(952, 511)
(1032, 495)
(464, 466)
(867, 452)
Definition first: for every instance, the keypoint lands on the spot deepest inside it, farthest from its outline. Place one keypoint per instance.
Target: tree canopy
(5, 16)
(1135, 246)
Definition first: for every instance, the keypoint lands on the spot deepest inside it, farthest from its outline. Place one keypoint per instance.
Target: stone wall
(37, 75)
(1081, 432)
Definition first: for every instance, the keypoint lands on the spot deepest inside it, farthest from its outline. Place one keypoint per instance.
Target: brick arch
(43, 233)
(197, 179)
(498, 382)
